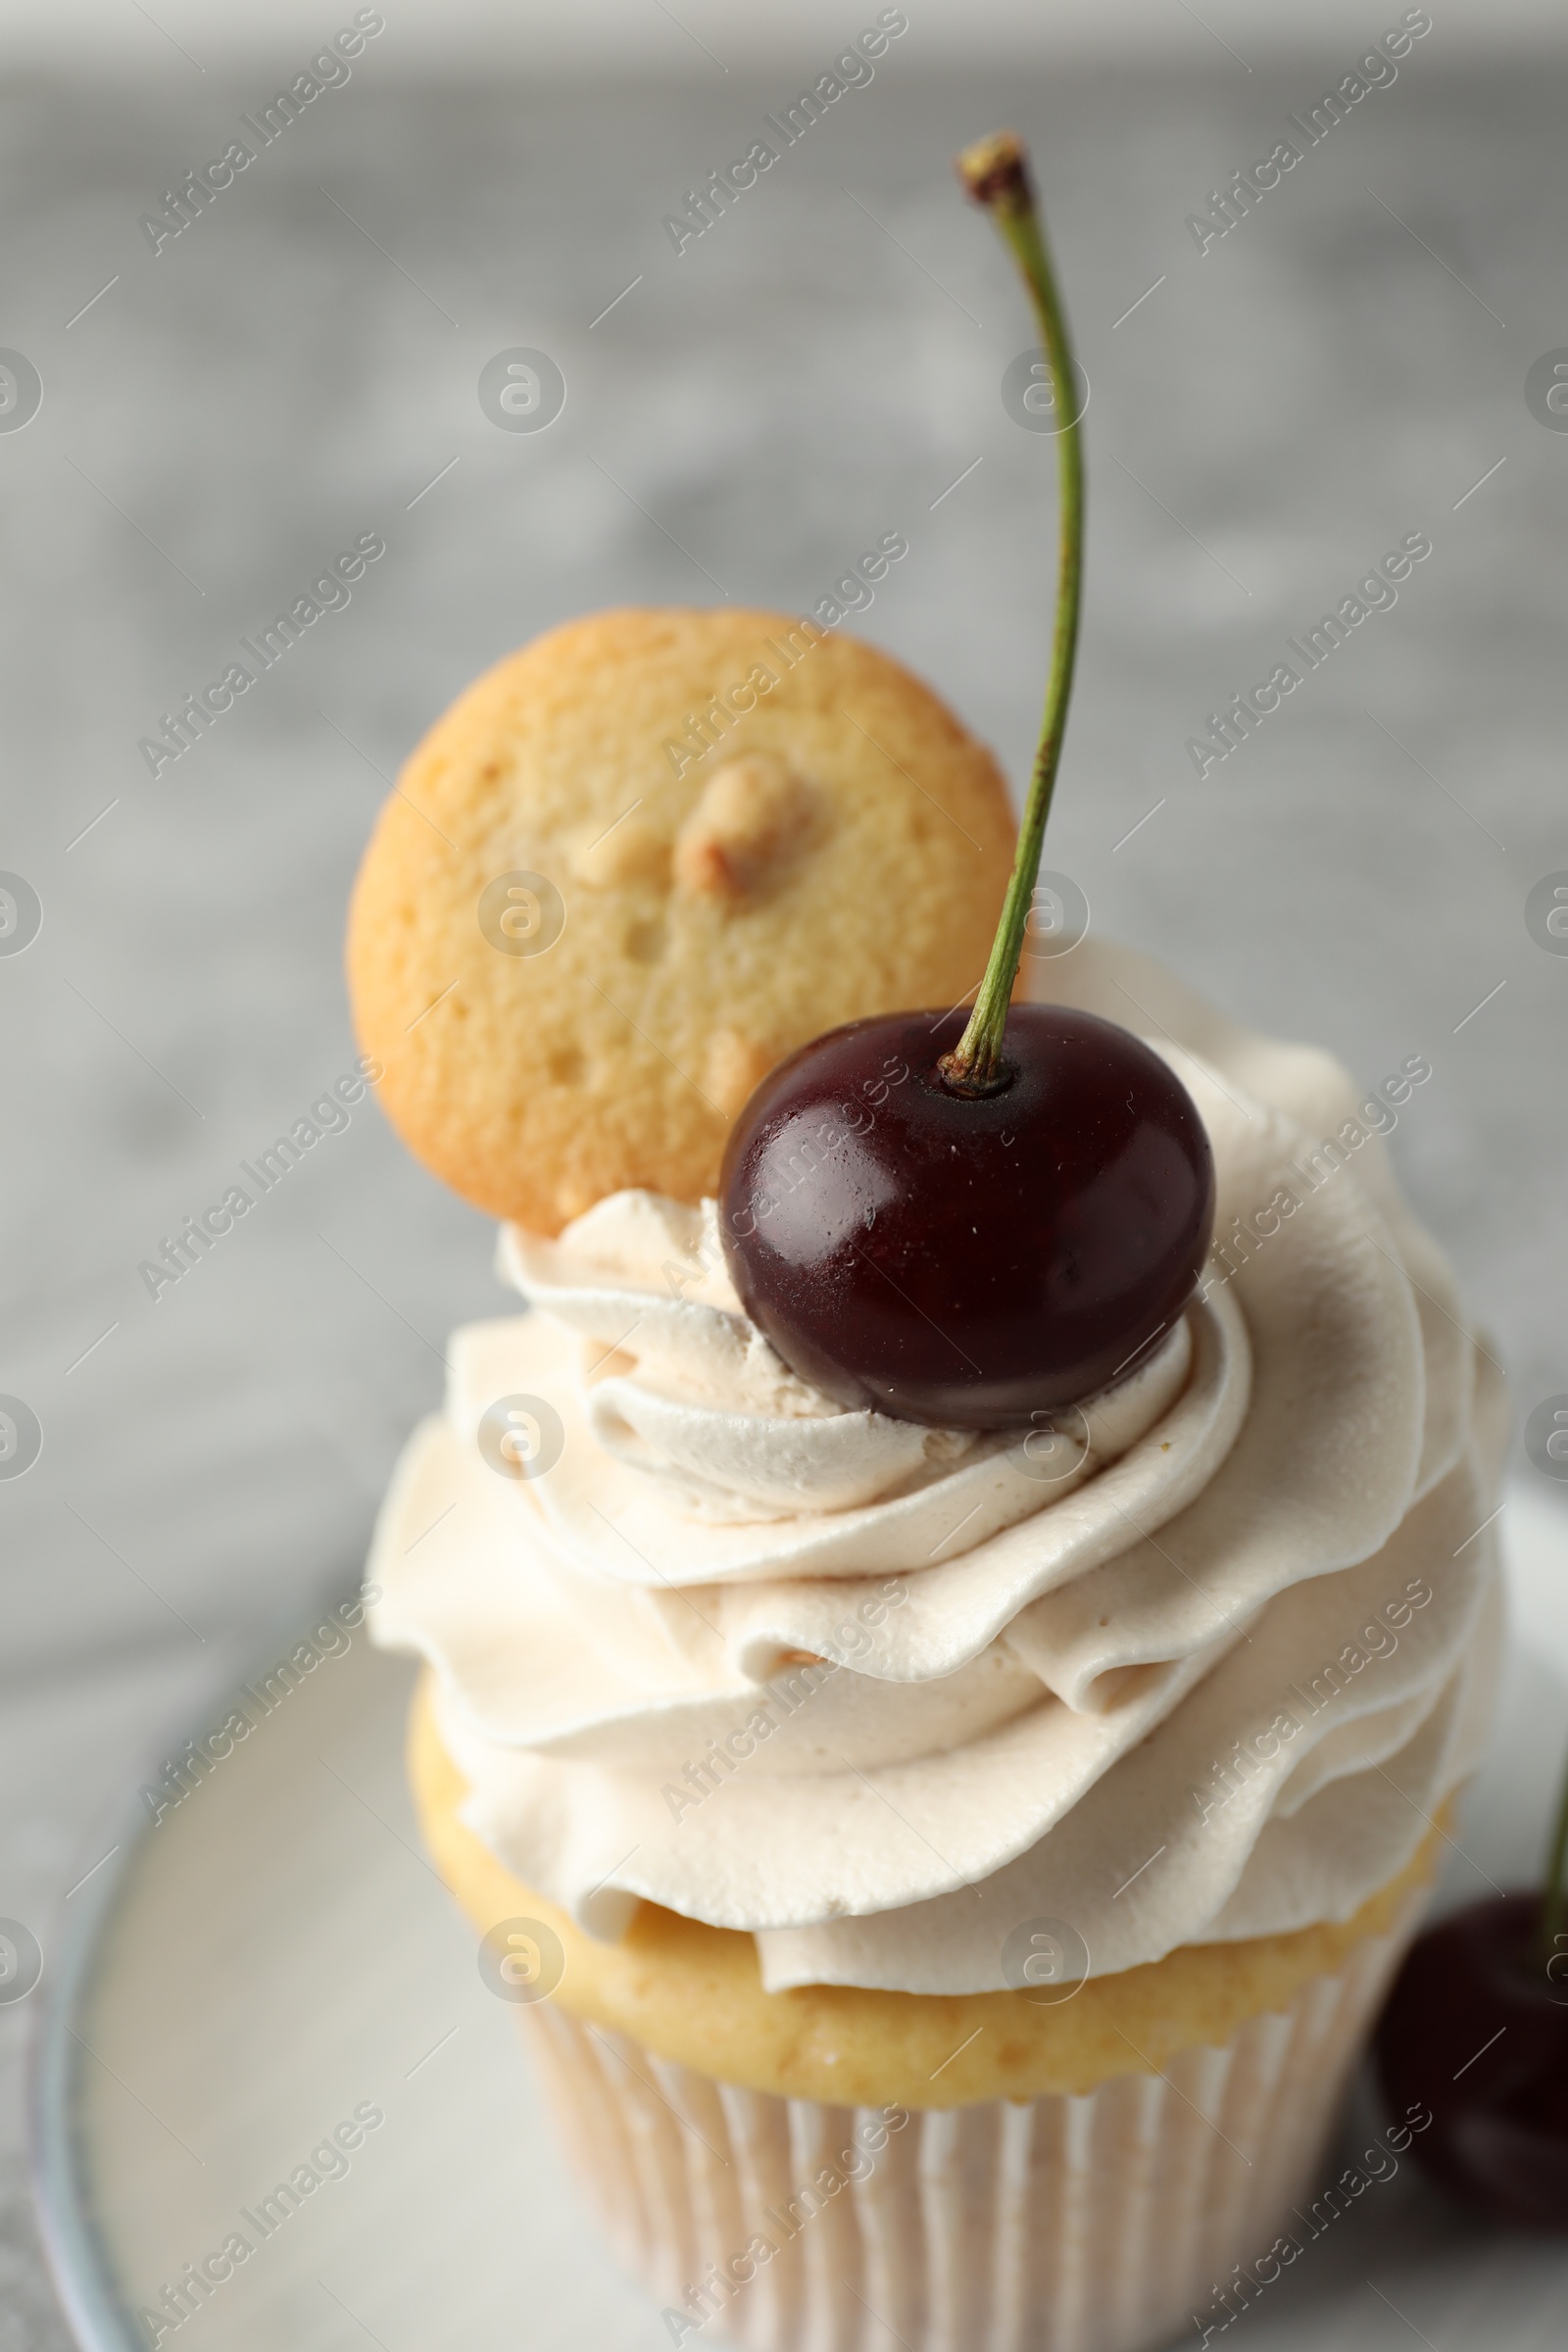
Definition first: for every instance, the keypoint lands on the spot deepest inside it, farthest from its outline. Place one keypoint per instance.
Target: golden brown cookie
(633, 867)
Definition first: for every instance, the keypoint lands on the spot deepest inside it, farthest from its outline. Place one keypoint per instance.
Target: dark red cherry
(967, 1222)
(965, 1261)
(1475, 2034)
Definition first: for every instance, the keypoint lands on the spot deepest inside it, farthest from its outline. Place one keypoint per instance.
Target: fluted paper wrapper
(1097, 2222)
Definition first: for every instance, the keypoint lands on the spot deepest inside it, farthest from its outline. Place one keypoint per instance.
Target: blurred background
(193, 424)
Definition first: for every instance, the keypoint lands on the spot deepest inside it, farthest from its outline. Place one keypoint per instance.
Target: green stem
(996, 174)
(1554, 1900)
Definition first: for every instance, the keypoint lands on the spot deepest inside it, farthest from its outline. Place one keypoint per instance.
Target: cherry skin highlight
(959, 1260)
(1475, 2034)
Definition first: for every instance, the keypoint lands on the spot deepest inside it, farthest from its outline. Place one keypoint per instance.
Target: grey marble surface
(821, 367)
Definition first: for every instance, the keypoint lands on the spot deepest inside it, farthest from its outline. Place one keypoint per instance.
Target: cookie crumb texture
(839, 849)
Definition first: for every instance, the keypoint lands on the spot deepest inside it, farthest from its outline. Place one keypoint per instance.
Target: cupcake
(946, 1866)
(961, 1892)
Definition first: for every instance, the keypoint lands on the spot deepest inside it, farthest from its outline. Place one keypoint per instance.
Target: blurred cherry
(1477, 2031)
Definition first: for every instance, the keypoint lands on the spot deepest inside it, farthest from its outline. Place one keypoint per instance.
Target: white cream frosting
(1197, 1661)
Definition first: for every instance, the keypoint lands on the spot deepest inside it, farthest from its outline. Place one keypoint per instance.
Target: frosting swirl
(1196, 1661)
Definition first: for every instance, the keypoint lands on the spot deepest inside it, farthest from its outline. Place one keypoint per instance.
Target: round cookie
(633, 867)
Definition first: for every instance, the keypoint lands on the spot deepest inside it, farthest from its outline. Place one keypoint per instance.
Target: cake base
(1103, 2221)
(693, 1993)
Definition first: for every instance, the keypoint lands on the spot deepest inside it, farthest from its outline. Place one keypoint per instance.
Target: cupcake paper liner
(1102, 2222)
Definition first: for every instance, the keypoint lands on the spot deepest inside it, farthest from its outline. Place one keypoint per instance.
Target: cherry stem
(996, 174)
(1554, 1899)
